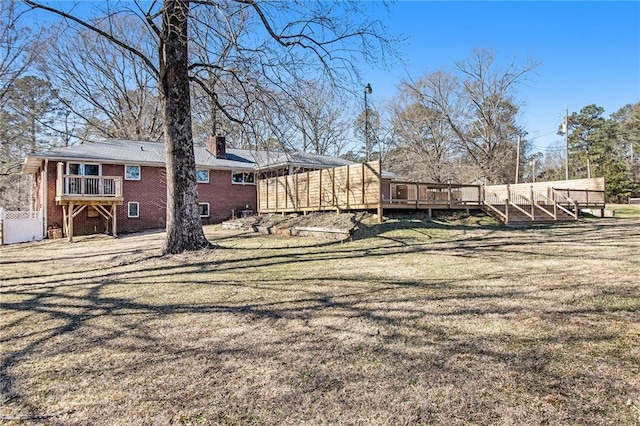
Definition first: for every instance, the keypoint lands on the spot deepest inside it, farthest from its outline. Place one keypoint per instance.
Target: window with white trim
(133, 209)
(202, 175)
(242, 177)
(81, 180)
(204, 209)
(84, 169)
(132, 172)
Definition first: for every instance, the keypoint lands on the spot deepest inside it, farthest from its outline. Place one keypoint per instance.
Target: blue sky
(589, 51)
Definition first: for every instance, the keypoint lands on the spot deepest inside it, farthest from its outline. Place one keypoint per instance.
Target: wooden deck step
(519, 218)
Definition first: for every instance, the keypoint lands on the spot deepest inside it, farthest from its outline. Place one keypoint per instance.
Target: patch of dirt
(283, 224)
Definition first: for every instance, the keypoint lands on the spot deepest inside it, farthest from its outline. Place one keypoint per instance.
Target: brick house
(120, 186)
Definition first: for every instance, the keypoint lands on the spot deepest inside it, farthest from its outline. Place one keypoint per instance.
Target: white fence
(20, 227)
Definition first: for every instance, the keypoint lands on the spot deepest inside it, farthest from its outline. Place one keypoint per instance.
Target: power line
(543, 135)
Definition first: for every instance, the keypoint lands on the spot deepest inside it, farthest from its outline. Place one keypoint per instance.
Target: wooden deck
(429, 196)
(362, 187)
(77, 192)
(355, 187)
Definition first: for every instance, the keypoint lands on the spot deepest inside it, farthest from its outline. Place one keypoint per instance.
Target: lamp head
(368, 89)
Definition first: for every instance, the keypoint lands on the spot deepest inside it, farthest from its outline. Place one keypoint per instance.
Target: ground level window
(204, 209)
(134, 209)
(242, 177)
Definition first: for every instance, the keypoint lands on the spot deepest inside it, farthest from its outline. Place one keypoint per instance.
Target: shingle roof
(153, 153)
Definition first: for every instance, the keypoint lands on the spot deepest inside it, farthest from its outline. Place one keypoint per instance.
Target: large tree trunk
(184, 227)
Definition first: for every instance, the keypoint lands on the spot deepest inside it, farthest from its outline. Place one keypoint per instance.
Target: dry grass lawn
(408, 323)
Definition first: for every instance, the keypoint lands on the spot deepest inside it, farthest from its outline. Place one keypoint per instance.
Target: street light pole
(367, 147)
(565, 127)
(533, 169)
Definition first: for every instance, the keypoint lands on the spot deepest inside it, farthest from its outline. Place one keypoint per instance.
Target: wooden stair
(516, 208)
(517, 217)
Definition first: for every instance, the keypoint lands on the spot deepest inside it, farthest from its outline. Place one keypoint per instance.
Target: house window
(202, 176)
(242, 177)
(204, 209)
(75, 183)
(131, 172)
(82, 169)
(133, 209)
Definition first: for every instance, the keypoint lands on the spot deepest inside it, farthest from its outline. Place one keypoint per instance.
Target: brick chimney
(217, 146)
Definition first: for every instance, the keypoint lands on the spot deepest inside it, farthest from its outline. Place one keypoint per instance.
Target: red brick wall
(54, 212)
(150, 192)
(224, 196)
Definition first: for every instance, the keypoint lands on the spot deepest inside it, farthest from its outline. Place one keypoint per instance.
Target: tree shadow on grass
(388, 333)
(377, 346)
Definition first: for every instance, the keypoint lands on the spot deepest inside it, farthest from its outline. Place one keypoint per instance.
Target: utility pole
(367, 146)
(566, 144)
(633, 162)
(518, 160)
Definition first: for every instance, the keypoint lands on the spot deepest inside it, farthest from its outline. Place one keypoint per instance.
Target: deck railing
(87, 186)
(433, 194)
(581, 197)
(565, 203)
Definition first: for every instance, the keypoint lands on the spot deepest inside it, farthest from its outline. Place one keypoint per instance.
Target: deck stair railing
(565, 203)
(520, 203)
(543, 203)
(514, 206)
(493, 202)
(536, 202)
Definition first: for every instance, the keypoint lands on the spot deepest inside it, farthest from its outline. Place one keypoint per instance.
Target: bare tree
(288, 41)
(318, 115)
(27, 120)
(15, 48)
(16, 56)
(477, 101)
(490, 111)
(426, 144)
(109, 89)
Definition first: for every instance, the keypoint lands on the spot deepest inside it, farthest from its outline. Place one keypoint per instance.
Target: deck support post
(114, 227)
(70, 223)
(533, 204)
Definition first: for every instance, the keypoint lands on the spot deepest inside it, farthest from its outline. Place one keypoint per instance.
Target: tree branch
(95, 29)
